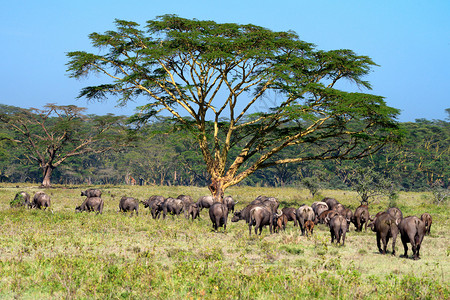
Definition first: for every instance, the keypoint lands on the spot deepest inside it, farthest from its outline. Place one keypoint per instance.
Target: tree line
(160, 153)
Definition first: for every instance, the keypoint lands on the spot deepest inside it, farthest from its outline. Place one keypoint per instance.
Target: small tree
(370, 184)
(440, 194)
(50, 136)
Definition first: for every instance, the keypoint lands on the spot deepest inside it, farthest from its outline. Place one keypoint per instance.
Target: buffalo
(205, 202)
(260, 216)
(319, 207)
(244, 214)
(338, 228)
(326, 216)
(218, 213)
(154, 203)
(412, 231)
(385, 226)
(361, 217)
(193, 211)
(91, 193)
(331, 202)
(291, 214)
(172, 206)
(279, 221)
(40, 200)
(129, 204)
(91, 204)
(309, 225)
(426, 218)
(305, 213)
(21, 199)
(230, 203)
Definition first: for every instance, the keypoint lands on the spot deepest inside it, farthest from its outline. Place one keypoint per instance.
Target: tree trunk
(217, 189)
(47, 172)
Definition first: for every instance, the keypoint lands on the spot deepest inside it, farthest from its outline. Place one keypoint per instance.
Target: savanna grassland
(63, 254)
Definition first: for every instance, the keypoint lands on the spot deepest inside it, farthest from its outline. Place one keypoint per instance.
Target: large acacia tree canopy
(214, 78)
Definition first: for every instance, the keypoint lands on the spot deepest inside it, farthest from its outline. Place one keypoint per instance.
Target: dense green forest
(162, 154)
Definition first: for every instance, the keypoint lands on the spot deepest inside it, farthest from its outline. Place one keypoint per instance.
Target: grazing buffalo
(205, 202)
(361, 217)
(230, 203)
(305, 213)
(187, 200)
(412, 231)
(260, 216)
(154, 203)
(244, 214)
(426, 218)
(279, 221)
(339, 208)
(309, 225)
(338, 228)
(91, 204)
(21, 199)
(319, 207)
(129, 204)
(291, 214)
(218, 213)
(385, 226)
(172, 206)
(40, 200)
(193, 211)
(91, 193)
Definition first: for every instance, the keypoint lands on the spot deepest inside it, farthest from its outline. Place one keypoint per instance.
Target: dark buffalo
(426, 218)
(230, 203)
(348, 214)
(91, 193)
(187, 200)
(338, 228)
(279, 220)
(193, 211)
(41, 200)
(396, 213)
(325, 217)
(339, 208)
(291, 214)
(319, 207)
(305, 213)
(270, 202)
(260, 216)
(412, 231)
(205, 202)
(129, 204)
(91, 204)
(154, 204)
(172, 206)
(218, 213)
(385, 226)
(361, 217)
(331, 202)
(21, 199)
(309, 225)
(244, 214)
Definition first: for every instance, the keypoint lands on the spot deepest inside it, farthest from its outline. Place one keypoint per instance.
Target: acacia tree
(54, 134)
(246, 93)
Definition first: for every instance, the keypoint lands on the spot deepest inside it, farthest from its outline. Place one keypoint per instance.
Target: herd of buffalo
(264, 211)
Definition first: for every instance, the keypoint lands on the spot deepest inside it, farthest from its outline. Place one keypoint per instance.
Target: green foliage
(210, 77)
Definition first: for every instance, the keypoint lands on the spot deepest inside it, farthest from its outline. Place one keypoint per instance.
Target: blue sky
(410, 40)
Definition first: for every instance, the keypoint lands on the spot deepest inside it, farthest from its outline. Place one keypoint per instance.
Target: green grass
(86, 256)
